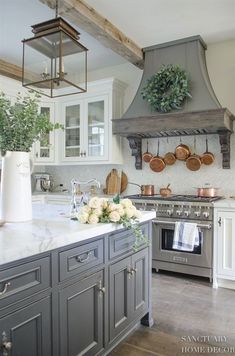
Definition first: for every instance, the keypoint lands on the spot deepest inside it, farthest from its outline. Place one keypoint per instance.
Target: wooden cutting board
(124, 182)
(113, 182)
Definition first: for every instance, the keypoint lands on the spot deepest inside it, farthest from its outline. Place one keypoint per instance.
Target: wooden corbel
(135, 144)
(224, 139)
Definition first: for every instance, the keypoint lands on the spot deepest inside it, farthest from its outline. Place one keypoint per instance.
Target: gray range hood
(200, 115)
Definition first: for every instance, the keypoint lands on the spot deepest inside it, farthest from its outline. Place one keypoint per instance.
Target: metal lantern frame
(60, 28)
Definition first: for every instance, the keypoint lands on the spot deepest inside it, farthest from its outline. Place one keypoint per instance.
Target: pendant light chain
(56, 9)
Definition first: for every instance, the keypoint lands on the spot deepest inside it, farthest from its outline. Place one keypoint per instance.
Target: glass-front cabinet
(44, 150)
(72, 130)
(85, 137)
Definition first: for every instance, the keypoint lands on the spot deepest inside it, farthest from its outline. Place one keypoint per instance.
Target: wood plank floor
(191, 318)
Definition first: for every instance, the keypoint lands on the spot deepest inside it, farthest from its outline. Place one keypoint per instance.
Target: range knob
(187, 212)
(197, 213)
(206, 214)
(178, 212)
(169, 212)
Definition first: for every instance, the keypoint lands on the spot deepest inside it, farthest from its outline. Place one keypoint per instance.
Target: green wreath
(167, 89)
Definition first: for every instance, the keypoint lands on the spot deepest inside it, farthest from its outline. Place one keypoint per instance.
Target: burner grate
(179, 197)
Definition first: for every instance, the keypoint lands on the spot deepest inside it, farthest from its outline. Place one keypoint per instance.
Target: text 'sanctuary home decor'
(21, 125)
(167, 89)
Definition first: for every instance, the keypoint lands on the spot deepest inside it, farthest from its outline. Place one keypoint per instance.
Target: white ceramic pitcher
(16, 195)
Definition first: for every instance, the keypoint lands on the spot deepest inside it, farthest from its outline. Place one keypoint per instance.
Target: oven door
(163, 233)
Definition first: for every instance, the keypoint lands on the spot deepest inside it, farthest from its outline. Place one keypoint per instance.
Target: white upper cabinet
(87, 118)
(87, 137)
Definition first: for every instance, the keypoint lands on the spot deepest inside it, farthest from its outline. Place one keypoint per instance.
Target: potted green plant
(21, 124)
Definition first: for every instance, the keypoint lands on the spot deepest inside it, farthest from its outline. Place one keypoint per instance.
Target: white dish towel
(186, 236)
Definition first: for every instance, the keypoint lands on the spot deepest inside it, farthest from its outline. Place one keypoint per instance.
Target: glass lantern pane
(55, 64)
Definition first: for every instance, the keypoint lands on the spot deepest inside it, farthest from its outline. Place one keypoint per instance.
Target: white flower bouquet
(102, 210)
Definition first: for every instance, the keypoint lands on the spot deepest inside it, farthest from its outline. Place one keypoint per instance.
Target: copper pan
(207, 158)
(157, 163)
(193, 162)
(182, 152)
(169, 158)
(147, 155)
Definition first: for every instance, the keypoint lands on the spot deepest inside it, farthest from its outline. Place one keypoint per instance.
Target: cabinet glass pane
(72, 118)
(45, 139)
(72, 131)
(96, 128)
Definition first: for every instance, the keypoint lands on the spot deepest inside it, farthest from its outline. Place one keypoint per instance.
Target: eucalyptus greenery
(167, 89)
(21, 124)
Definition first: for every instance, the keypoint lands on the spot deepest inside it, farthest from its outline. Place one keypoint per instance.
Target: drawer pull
(100, 288)
(6, 345)
(80, 259)
(5, 288)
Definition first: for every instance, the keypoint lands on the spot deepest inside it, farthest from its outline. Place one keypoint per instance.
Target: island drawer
(23, 280)
(81, 258)
(123, 241)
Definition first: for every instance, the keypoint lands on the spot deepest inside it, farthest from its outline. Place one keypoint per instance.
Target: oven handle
(203, 226)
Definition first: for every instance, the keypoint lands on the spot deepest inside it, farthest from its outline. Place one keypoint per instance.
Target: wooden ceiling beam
(10, 70)
(88, 19)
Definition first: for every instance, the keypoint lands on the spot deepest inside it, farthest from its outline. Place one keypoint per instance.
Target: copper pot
(207, 192)
(147, 155)
(146, 189)
(182, 152)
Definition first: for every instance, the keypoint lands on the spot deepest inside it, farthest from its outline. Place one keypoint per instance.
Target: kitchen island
(71, 289)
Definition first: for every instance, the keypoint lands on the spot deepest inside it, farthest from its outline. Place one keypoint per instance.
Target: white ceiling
(151, 22)
(146, 22)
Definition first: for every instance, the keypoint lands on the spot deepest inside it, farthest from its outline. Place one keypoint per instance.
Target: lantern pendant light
(54, 62)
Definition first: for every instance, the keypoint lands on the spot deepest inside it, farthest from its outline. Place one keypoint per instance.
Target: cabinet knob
(6, 285)
(134, 270)
(6, 345)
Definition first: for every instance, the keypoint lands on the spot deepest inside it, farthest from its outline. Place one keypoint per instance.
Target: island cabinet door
(120, 274)
(81, 317)
(27, 332)
(140, 282)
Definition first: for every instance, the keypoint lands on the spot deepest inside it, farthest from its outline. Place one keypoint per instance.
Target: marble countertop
(51, 228)
(225, 203)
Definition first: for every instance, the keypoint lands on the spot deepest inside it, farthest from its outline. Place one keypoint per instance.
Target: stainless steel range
(184, 208)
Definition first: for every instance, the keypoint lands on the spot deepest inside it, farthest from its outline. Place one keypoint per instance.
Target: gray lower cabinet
(28, 330)
(78, 300)
(82, 317)
(128, 291)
